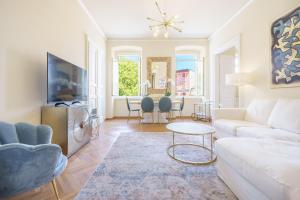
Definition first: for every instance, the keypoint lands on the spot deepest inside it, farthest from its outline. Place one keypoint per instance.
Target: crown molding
(231, 19)
(157, 40)
(100, 31)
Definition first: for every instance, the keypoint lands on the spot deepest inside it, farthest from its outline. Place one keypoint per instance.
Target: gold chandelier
(164, 24)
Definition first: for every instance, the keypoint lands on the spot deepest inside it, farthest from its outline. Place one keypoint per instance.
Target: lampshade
(238, 79)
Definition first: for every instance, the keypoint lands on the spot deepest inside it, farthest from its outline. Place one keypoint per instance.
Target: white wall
(28, 30)
(151, 48)
(253, 25)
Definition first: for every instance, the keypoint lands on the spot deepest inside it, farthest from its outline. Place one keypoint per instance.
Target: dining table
(158, 118)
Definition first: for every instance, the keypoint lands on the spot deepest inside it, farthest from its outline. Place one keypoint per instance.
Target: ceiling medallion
(164, 24)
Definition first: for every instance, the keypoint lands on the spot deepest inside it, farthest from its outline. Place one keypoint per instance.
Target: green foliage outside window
(128, 78)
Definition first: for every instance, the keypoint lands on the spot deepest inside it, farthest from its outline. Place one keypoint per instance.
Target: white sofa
(258, 149)
(259, 169)
(277, 119)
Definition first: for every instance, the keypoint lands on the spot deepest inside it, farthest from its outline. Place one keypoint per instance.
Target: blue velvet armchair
(27, 158)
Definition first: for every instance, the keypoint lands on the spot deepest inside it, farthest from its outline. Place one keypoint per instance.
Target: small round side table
(195, 129)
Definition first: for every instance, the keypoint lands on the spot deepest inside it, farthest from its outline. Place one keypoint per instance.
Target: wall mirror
(159, 71)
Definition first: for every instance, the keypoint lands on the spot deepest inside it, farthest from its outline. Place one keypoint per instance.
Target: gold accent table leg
(55, 189)
(212, 156)
(211, 146)
(173, 143)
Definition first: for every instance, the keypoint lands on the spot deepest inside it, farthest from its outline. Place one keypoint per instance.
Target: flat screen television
(66, 82)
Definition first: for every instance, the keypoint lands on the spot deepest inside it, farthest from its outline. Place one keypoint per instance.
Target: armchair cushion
(8, 133)
(33, 135)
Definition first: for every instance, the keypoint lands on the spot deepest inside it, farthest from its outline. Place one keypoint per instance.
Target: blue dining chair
(165, 106)
(147, 106)
(28, 160)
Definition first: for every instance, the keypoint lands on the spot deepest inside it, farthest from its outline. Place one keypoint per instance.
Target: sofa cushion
(286, 115)
(263, 132)
(275, 172)
(8, 133)
(230, 126)
(259, 110)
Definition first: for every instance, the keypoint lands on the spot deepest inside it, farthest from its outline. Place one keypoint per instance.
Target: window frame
(200, 63)
(115, 61)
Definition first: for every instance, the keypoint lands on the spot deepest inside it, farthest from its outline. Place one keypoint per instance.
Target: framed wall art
(285, 50)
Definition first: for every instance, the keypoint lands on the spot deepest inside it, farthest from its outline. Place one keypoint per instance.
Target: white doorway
(95, 72)
(225, 60)
(227, 93)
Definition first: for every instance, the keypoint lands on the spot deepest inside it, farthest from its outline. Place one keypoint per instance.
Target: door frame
(98, 86)
(233, 43)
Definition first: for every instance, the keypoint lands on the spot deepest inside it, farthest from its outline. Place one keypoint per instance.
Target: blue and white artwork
(286, 50)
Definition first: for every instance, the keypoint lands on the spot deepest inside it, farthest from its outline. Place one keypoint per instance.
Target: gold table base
(172, 154)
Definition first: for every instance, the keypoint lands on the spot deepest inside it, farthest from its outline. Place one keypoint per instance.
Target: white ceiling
(127, 18)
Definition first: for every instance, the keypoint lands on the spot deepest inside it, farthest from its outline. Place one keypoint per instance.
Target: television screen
(66, 82)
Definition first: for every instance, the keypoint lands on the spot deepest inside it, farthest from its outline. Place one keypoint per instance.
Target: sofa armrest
(229, 113)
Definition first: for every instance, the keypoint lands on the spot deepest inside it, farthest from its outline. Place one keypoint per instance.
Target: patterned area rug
(138, 167)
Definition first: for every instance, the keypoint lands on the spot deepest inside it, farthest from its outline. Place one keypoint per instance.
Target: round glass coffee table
(194, 129)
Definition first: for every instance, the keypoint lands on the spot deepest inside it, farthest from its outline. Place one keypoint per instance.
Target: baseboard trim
(123, 117)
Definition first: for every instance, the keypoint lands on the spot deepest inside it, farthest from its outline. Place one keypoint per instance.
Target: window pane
(185, 57)
(189, 75)
(128, 75)
(133, 58)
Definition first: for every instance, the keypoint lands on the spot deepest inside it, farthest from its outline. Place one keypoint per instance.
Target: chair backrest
(24, 133)
(8, 133)
(182, 104)
(165, 104)
(128, 105)
(147, 104)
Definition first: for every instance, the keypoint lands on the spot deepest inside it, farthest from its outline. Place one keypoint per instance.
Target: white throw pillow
(259, 110)
(286, 115)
